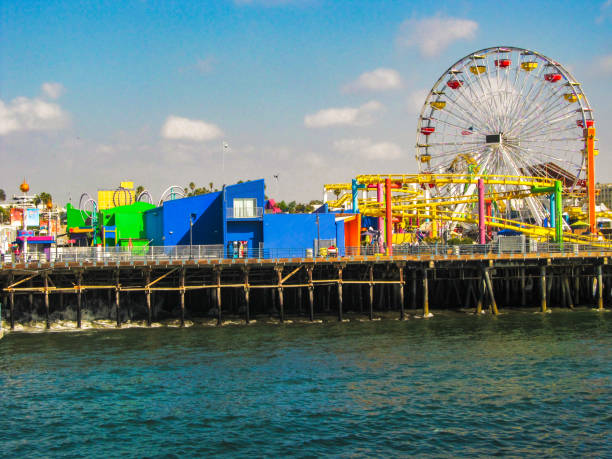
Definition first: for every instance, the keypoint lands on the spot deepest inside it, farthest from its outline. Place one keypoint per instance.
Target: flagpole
(224, 146)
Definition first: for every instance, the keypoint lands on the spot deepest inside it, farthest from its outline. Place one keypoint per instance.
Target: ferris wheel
(505, 111)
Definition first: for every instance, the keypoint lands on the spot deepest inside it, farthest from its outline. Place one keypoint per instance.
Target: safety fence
(218, 252)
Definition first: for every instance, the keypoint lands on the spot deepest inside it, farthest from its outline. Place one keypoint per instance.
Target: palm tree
(139, 189)
(2, 195)
(42, 198)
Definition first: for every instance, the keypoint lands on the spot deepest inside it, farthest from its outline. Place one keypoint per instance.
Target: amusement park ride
(90, 209)
(505, 141)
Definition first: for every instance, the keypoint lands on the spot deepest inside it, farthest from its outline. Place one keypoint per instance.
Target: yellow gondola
(529, 66)
(425, 158)
(571, 97)
(438, 104)
(478, 69)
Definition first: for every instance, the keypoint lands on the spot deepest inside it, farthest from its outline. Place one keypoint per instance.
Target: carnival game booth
(29, 247)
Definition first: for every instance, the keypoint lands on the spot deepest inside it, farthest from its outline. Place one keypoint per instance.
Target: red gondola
(503, 63)
(553, 77)
(428, 130)
(454, 84)
(589, 123)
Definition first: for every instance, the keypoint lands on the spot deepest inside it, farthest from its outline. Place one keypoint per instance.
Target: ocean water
(521, 384)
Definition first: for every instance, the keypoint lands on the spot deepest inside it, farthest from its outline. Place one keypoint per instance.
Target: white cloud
(367, 149)
(433, 35)
(52, 90)
(604, 11)
(604, 64)
(23, 114)
(314, 160)
(202, 66)
(347, 116)
(416, 99)
(380, 79)
(177, 127)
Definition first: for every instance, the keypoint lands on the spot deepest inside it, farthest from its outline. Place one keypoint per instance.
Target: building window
(245, 207)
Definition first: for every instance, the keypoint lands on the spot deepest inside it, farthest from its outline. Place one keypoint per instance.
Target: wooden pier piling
(247, 300)
(371, 284)
(339, 293)
(46, 292)
(148, 295)
(600, 303)
(400, 268)
(568, 293)
(214, 286)
(79, 297)
(11, 279)
(425, 294)
(182, 294)
(218, 278)
(543, 288)
(490, 291)
(117, 295)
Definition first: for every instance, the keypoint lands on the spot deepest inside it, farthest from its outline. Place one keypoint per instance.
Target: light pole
(191, 218)
(318, 237)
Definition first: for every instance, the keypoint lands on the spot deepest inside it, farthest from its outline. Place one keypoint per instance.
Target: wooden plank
(161, 277)
(290, 274)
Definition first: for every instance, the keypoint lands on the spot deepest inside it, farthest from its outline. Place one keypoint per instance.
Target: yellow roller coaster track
(433, 208)
(534, 231)
(449, 179)
(403, 203)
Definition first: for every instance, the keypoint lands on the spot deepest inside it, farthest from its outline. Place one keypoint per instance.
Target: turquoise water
(521, 384)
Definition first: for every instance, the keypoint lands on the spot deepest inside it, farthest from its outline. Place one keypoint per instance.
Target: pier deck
(308, 286)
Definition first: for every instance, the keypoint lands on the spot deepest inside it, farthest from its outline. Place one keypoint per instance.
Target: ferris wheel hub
(494, 138)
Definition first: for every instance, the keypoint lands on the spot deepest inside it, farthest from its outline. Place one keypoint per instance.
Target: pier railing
(218, 252)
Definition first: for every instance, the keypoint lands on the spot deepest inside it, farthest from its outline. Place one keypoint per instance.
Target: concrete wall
(169, 224)
(129, 220)
(244, 229)
(298, 231)
(252, 189)
(154, 225)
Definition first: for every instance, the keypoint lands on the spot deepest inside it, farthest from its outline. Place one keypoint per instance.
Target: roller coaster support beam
(388, 217)
(558, 212)
(556, 207)
(379, 198)
(355, 187)
(481, 213)
(589, 135)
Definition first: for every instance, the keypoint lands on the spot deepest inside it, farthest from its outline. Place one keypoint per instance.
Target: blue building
(290, 235)
(233, 214)
(236, 215)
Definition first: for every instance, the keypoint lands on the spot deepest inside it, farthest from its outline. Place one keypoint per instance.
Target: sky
(308, 91)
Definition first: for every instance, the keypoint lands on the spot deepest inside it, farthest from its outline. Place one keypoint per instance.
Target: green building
(119, 226)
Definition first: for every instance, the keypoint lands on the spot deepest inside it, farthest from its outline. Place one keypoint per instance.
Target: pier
(150, 289)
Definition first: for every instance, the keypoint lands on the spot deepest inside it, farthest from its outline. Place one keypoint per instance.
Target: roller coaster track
(451, 179)
(422, 208)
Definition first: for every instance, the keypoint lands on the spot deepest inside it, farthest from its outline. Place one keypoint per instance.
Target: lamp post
(191, 218)
(318, 237)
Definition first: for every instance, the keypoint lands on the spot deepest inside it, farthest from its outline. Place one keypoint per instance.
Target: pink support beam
(481, 213)
(381, 220)
(388, 216)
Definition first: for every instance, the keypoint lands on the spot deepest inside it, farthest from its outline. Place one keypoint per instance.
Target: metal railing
(244, 212)
(219, 252)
